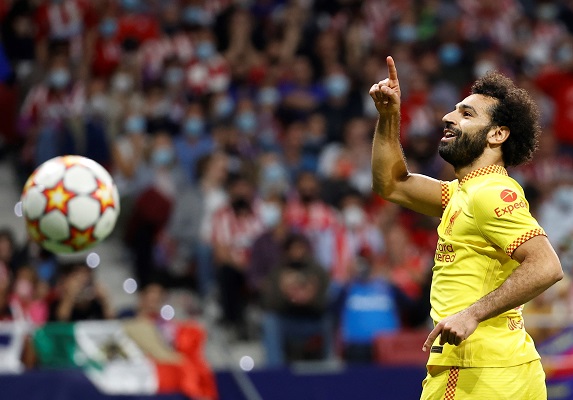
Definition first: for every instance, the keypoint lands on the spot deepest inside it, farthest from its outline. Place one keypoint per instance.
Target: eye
(467, 114)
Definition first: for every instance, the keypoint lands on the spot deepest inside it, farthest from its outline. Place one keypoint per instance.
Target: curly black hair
(515, 109)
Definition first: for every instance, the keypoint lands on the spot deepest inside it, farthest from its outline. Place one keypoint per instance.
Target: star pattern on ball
(70, 161)
(58, 198)
(80, 239)
(29, 183)
(104, 196)
(34, 231)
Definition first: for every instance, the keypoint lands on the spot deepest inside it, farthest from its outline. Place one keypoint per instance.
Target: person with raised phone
(492, 256)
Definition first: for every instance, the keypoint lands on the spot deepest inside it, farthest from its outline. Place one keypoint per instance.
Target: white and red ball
(70, 203)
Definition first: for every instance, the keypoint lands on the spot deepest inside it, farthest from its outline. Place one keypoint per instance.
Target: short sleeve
(502, 216)
(448, 189)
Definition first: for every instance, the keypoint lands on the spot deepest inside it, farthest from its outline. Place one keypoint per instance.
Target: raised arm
(390, 176)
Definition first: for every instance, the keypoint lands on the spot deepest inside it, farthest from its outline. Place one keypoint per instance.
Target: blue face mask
(269, 96)
(108, 27)
(406, 33)
(131, 5)
(59, 78)
(224, 107)
(205, 50)
(273, 173)
(246, 122)
(193, 126)
(193, 15)
(270, 214)
(174, 76)
(450, 54)
(135, 124)
(162, 157)
(337, 85)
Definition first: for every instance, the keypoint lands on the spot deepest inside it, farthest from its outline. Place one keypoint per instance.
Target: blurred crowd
(239, 135)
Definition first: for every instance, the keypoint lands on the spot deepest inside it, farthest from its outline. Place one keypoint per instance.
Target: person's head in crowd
(173, 74)
(5, 288)
(352, 208)
(246, 117)
(294, 135)
(108, 28)
(268, 98)
(170, 19)
(194, 125)
(7, 246)
(205, 45)
(272, 210)
(336, 83)
(221, 107)
(212, 169)
(152, 297)
(59, 74)
(135, 124)
(98, 101)
(26, 284)
(123, 81)
(357, 133)
(315, 132)
(273, 176)
(162, 153)
(302, 73)
(241, 194)
(308, 188)
(297, 251)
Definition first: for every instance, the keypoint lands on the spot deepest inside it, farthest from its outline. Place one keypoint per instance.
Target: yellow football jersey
(485, 218)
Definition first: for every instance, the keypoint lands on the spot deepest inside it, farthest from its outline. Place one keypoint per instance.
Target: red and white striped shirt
(237, 233)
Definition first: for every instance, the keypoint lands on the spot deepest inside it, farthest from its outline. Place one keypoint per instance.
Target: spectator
(79, 297)
(29, 296)
(191, 224)
(295, 299)
(235, 227)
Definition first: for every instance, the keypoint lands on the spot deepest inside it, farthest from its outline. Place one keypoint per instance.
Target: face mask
(122, 82)
(98, 104)
(193, 15)
(450, 54)
(337, 85)
(270, 214)
(174, 76)
(205, 50)
(224, 107)
(59, 78)
(406, 33)
(162, 157)
(135, 124)
(273, 172)
(108, 27)
(268, 96)
(131, 5)
(353, 216)
(564, 54)
(241, 204)
(194, 126)
(246, 122)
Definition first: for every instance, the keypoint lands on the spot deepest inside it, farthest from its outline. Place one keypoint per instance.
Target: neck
(485, 160)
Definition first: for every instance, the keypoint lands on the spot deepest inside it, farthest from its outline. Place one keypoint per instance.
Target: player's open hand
(386, 93)
(452, 330)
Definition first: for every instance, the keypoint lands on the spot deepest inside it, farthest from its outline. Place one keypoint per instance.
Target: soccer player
(492, 256)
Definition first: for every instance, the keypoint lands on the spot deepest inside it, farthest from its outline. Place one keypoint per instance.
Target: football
(70, 203)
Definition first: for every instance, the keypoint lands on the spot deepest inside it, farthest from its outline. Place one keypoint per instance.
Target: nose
(448, 118)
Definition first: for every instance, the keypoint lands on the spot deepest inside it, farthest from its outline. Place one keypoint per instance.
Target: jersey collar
(490, 169)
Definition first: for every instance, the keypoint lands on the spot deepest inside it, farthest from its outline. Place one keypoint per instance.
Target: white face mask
(354, 216)
(270, 214)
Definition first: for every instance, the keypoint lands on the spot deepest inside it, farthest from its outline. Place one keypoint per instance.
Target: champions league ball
(70, 203)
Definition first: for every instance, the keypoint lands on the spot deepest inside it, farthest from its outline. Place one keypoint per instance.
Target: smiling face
(465, 131)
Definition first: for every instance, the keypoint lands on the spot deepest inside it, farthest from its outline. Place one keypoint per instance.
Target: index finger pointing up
(392, 73)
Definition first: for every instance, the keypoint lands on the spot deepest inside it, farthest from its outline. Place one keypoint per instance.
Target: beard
(464, 149)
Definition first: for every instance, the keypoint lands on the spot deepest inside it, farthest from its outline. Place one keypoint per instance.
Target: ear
(498, 135)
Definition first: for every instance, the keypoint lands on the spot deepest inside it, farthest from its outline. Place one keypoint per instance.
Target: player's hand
(452, 330)
(386, 93)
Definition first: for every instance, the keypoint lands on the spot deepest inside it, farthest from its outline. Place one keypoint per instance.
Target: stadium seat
(401, 348)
